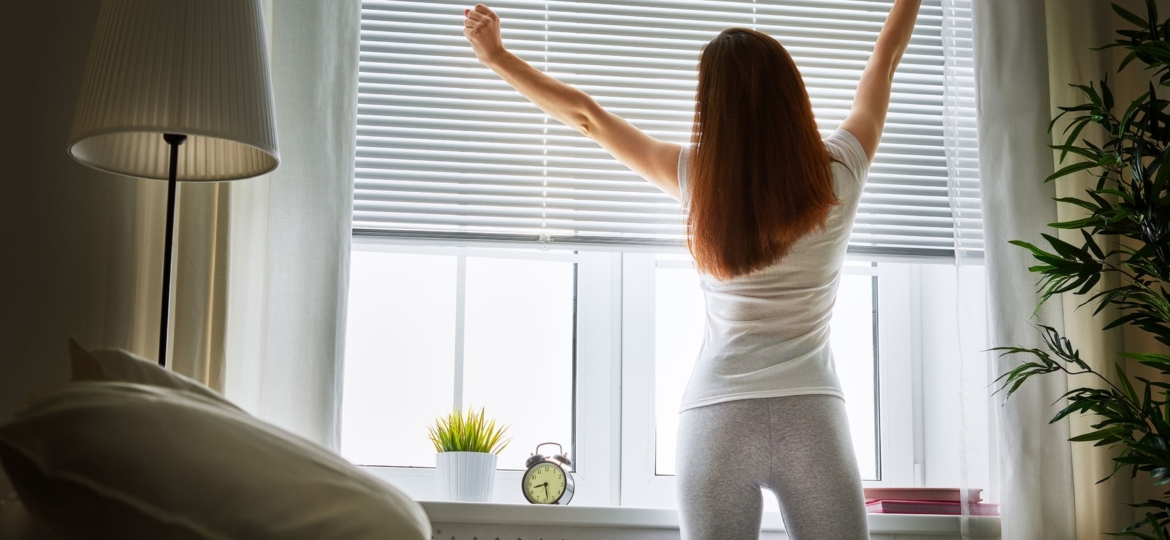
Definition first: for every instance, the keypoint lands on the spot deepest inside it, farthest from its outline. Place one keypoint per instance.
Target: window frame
(595, 435)
(614, 409)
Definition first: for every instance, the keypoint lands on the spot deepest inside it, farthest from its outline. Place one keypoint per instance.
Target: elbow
(586, 116)
(885, 62)
(886, 68)
(893, 63)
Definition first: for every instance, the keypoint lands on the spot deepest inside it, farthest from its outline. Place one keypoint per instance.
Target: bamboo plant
(1125, 233)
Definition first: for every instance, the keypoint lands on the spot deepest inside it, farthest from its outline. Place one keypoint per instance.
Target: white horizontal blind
(446, 149)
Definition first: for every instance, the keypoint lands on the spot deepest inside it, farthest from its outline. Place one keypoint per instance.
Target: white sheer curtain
(1012, 81)
(291, 233)
(975, 434)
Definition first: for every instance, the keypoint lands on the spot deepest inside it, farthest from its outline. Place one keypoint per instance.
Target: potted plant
(467, 446)
(1125, 233)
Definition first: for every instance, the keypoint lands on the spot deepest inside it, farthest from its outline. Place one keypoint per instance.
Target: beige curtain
(198, 284)
(1072, 28)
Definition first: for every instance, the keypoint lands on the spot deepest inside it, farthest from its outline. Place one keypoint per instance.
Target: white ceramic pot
(466, 476)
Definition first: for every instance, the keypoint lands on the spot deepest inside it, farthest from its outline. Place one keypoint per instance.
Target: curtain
(1027, 53)
(1012, 80)
(134, 276)
(309, 213)
(974, 461)
(1073, 27)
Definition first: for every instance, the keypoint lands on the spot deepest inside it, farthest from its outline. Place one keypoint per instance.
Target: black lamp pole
(174, 140)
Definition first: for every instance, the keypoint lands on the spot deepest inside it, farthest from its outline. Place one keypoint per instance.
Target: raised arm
(654, 160)
(868, 115)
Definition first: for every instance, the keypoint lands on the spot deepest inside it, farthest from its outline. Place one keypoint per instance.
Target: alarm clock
(548, 480)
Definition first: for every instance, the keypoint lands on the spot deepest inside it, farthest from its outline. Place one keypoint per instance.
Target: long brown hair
(759, 177)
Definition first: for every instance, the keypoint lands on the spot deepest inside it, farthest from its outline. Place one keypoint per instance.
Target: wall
(61, 224)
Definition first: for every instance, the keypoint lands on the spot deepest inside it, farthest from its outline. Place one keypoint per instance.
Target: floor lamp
(179, 91)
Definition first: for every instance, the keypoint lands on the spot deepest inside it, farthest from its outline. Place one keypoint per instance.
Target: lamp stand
(172, 186)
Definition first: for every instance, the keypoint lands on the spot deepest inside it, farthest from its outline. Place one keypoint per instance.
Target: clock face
(544, 483)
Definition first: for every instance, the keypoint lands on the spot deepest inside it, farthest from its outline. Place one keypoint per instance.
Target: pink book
(920, 494)
(950, 508)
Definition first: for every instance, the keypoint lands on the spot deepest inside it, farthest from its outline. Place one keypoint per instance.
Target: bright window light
(399, 356)
(425, 335)
(518, 350)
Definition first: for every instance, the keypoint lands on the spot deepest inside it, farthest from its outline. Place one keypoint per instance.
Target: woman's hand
(482, 29)
(867, 118)
(655, 160)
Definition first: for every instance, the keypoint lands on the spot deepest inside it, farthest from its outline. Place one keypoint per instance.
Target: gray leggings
(797, 446)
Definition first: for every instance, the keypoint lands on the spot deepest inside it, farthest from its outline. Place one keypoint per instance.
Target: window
(431, 331)
(503, 260)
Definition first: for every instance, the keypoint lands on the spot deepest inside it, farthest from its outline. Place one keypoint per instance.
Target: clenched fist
(482, 28)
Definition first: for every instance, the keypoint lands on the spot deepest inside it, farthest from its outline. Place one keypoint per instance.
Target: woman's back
(767, 333)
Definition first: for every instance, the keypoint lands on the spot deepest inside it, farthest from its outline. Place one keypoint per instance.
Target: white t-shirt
(767, 333)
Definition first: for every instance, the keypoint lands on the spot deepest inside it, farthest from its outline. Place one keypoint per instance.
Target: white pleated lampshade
(191, 67)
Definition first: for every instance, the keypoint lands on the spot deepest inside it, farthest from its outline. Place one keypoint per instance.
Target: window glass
(407, 349)
(855, 355)
(518, 350)
(678, 334)
(399, 356)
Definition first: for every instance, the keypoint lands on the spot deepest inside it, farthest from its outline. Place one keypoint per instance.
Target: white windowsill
(657, 518)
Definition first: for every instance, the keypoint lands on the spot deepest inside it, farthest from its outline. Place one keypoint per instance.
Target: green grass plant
(468, 432)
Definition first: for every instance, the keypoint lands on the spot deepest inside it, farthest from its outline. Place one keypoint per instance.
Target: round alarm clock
(548, 479)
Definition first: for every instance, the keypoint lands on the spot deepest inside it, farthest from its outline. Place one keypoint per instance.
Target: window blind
(445, 149)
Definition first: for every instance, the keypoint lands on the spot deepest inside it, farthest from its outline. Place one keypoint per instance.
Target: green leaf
(1126, 61)
(1093, 436)
(1079, 202)
(1152, 13)
(1076, 132)
(1106, 94)
(1091, 155)
(1128, 388)
(1092, 244)
(1133, 107)
(1067, 170)
(1129, 16)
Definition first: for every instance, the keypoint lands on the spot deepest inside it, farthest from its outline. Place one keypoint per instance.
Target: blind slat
(444, 147)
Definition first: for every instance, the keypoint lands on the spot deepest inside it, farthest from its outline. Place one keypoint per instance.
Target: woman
(770, 210)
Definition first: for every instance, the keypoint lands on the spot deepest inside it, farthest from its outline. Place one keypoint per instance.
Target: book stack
(941, 501)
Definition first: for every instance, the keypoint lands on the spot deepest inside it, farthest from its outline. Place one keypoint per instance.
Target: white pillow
(125, 460)
(119, 365)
